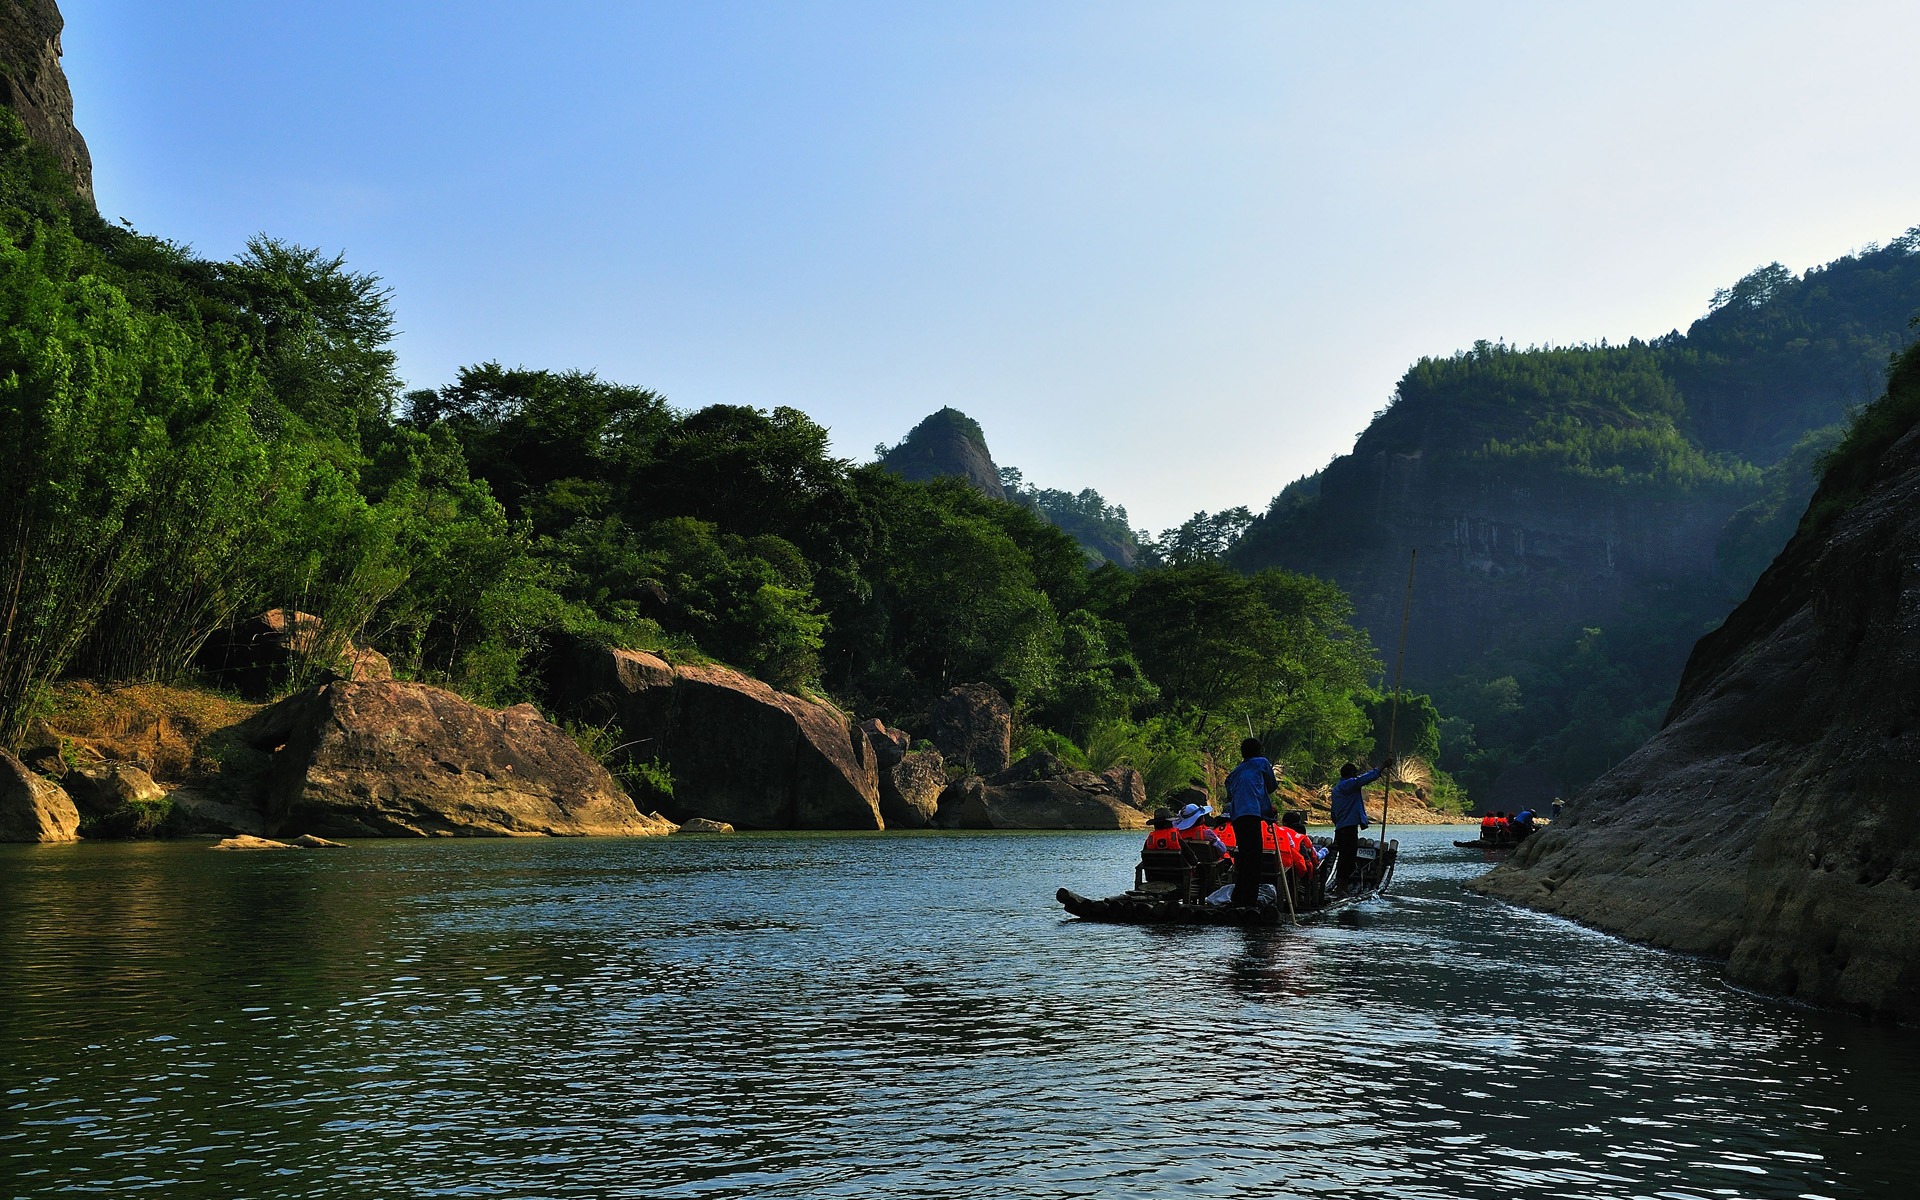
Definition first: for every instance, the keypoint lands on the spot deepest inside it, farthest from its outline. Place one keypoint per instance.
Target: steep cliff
(33, 85)
(1772, 822)
(947, 443)
(1606, 504)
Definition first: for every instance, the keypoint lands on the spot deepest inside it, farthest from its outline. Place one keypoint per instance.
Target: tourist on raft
(1193, 830)
(1162, 835)
(1349, 818)
(1298, 854)
(1250, 789)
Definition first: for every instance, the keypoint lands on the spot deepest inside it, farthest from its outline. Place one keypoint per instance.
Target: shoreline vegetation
(196, 444)
(193, 445)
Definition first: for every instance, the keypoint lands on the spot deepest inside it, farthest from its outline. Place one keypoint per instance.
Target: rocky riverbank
(1771, 823)
(698, 745)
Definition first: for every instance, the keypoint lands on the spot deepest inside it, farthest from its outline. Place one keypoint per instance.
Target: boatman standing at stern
(1250, 789)
(1349, 818)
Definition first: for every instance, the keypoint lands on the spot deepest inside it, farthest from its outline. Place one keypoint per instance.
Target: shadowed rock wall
(1772, 822)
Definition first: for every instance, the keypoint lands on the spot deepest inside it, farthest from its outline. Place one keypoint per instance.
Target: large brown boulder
(738, 751)
(910, 780)
(33, 809)
(1772, 820)
(973, 726)
(118, 800)
(910, 789)
(1039, 792)
(408, 760)
(101, 788)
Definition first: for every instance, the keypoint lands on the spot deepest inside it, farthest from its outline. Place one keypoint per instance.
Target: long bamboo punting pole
(1393, 718)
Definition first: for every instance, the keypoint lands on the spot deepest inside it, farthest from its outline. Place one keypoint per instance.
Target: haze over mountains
(1582, 514)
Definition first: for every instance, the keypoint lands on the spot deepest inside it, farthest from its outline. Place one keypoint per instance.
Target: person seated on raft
(1293, 826)
(1194, 832)
(1162, 836)
(1298, 855)
(1486, 826)
(1222, 826)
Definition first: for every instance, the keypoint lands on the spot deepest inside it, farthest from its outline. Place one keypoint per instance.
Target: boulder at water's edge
(738, 750)
(33, 809)
(910, 780)
(1039, 792)
(408, 760)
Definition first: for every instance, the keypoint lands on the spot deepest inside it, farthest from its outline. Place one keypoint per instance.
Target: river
(879, 1015)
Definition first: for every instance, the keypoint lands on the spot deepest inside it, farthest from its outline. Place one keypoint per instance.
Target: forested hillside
(185, 442)
(1584, 514)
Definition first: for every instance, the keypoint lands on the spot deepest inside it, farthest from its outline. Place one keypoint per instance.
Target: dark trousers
(1346, 855)
(1246, 860)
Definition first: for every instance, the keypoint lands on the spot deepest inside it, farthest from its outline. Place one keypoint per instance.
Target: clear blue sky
(1176, 252)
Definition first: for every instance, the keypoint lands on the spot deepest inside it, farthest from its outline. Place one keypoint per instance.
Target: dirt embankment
(163, 729)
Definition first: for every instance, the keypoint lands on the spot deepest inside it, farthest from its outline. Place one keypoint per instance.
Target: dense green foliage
(1850, 466)
(1102, 529)
(185, 442)
(1735, 416)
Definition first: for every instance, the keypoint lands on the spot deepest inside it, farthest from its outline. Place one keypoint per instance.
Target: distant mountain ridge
(1628, 491)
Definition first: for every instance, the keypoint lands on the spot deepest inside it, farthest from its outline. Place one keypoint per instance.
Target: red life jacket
(1225, 833)
(1293, 856)
(1163, 839)
(1486, 823)
(1269, 840)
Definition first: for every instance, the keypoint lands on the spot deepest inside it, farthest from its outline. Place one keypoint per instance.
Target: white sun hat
(1191, 815)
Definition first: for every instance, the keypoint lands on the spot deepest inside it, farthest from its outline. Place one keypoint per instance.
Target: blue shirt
(1248, 787)
(1349, 805)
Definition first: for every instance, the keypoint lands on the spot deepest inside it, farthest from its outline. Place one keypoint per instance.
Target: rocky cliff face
(948, 443)
(33, 85)
(1500, 557)
(1772, 822)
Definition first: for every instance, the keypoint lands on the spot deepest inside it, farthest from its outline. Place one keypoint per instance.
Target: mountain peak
(947, 443)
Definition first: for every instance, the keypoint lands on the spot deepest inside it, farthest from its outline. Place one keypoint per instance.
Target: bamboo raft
(1166, 892)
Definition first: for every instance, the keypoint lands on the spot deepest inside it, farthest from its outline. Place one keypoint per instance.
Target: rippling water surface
(889, 1015)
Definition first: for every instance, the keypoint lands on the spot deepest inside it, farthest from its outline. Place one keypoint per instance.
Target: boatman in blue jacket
(1250, 789)
(1349, 818)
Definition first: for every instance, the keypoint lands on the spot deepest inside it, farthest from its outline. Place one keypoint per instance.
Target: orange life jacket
(1293, 856)
(1225, 833)
(1163, 839)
